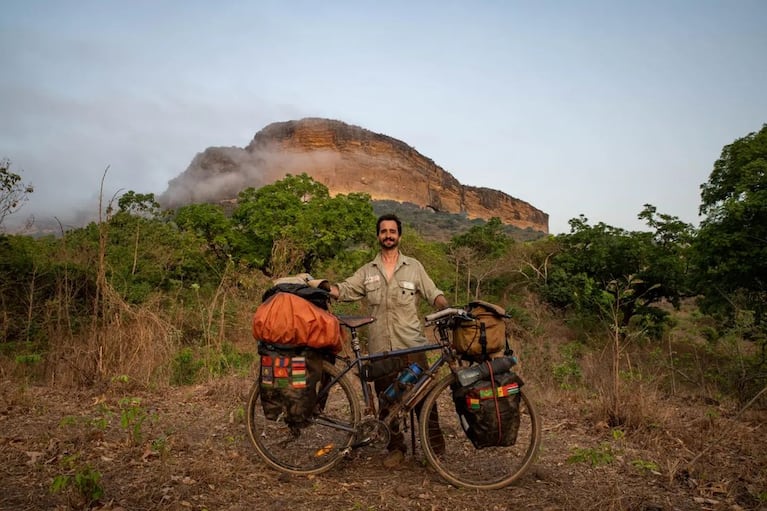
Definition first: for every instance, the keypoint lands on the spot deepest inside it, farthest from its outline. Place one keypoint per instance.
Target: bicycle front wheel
(316, 446)
(458, 461)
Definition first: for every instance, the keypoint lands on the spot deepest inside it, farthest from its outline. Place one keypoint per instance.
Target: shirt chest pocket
(374, 292)
(406, 292)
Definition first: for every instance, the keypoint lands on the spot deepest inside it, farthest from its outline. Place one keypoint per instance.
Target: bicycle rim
(315, 447)
(461, 463)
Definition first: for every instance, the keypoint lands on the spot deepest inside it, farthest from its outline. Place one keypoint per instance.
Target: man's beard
(393, 243)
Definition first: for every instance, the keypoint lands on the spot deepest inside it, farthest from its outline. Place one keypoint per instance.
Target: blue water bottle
(408, 375)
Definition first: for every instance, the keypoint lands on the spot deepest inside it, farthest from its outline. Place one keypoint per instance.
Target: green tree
(139, 204)
(26, 280)
(730, 251)
(669, 255)
(613, 279)
(488, 238)
(143, 252)
(292, 224)
(13, 192)
(209, 222)
(598, 266)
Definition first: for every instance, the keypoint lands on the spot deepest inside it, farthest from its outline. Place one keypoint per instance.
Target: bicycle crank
(372, 432)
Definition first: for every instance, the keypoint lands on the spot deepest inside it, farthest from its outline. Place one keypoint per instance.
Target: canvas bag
(288, 319)
(467, 334)
(489, 409)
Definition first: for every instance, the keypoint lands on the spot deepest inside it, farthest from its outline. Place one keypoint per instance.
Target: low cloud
(220, 173)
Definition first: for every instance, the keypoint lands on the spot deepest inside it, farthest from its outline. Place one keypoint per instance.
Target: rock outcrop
(346, 159)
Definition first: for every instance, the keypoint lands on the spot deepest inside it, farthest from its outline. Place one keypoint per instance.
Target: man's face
(388, 235)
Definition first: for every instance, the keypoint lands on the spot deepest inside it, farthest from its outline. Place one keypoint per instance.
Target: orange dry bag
(288, 319)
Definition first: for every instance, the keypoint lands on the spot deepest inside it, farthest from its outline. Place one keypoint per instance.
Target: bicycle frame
(415, 392)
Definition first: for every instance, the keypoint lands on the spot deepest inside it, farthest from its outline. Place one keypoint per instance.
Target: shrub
(185, 367)
(83, 481)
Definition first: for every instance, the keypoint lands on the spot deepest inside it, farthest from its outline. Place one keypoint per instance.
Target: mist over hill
(346, 159)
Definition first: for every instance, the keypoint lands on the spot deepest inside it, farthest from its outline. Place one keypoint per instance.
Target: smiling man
(392, 284)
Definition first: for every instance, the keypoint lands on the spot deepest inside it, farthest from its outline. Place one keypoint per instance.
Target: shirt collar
(402, 259)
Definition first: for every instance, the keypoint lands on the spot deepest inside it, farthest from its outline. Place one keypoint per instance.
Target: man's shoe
(394, 459)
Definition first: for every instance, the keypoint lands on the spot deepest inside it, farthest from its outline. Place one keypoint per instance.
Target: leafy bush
(185, 367)
(132, 418)
(83, 480)
(568, 373)
(227, 359)
(602, 455)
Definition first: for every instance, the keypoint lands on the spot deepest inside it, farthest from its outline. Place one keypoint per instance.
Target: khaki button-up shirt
(393, 303)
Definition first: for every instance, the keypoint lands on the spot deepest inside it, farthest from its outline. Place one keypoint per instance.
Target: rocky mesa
(346, 159)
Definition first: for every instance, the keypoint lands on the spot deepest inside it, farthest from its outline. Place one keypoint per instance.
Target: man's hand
(320, 284)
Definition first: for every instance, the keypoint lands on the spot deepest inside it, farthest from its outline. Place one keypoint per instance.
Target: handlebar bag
(467, 335)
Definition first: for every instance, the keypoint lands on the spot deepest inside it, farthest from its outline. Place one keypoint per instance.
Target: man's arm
(428, 289)
(440, 302)
(354, 287)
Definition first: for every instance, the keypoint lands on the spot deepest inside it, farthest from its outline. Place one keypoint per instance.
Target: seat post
(355, 341)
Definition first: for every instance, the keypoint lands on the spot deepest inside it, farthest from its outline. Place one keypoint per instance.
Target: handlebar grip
(450, 311)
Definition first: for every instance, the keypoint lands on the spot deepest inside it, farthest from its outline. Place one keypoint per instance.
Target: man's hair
(389, 216)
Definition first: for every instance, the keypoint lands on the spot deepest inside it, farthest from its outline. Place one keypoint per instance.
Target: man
(391, 284)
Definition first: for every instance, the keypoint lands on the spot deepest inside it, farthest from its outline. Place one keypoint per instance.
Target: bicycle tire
(463, 465)
(315, 447)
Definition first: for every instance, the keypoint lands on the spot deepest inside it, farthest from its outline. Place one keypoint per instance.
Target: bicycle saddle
(355, 321)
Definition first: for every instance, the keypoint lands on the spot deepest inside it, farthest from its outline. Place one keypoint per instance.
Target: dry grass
(131, 341)
(674, 447)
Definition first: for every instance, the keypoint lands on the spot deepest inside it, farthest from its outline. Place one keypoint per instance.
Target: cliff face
(345, 159)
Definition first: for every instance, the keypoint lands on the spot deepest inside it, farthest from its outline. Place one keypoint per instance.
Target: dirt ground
(186, 448)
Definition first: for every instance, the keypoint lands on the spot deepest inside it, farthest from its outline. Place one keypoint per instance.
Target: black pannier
(489, 407)
(290, 379)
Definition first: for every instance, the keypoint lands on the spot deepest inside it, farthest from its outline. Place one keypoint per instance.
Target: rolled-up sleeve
(428, 289)
(353, 288)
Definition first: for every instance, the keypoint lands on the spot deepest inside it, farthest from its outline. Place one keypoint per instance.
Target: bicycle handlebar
(450, 312)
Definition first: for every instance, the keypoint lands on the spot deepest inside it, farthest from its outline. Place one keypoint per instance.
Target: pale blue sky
(591, 107)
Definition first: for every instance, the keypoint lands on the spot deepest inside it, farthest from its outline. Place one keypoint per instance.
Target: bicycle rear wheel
(312, 448)
(459, 461)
